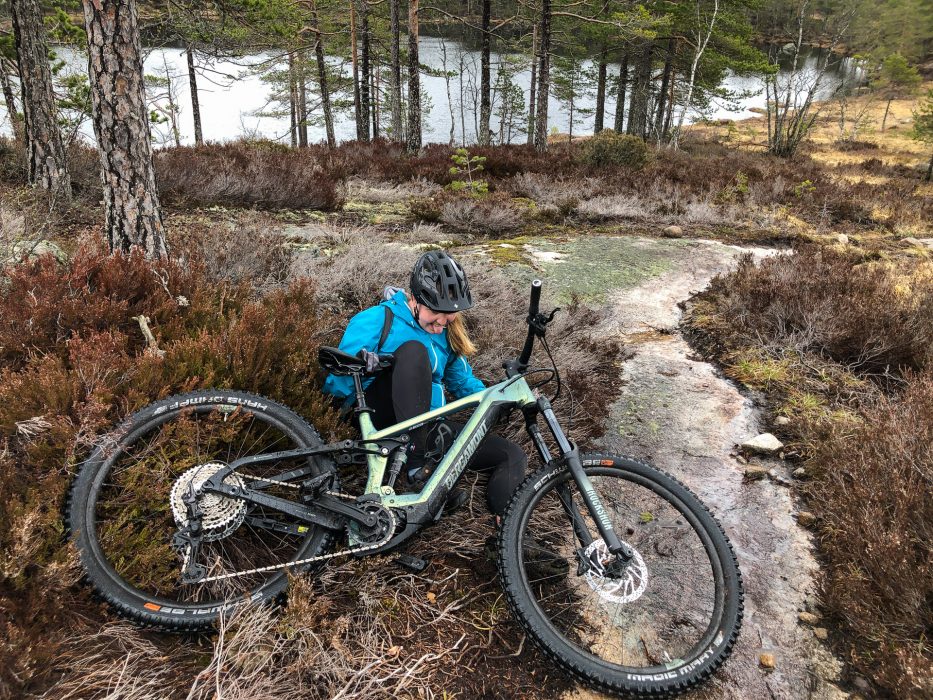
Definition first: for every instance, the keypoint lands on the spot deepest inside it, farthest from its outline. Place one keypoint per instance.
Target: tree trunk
(638, 107)
(600, 93)
(357, 107)
(362, 11)
(620, 101)
(662, 93)
(121, 125)
(930, 169)
(302, 78)
(485, 103)
(322, 78)
(10, 99)
(46, 161)
(544, 77)
(886, 108)
(670, 107)
(414, 80)
(195, 103)
(532, 104)
(292, 100)
(375, 99)
(395, 71)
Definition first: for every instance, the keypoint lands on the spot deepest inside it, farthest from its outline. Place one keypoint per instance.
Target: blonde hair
(459, 338)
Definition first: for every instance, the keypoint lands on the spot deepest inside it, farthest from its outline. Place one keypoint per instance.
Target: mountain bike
(205, 501)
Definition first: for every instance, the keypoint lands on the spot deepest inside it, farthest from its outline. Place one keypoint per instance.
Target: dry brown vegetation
(843, 345)
(73, 362)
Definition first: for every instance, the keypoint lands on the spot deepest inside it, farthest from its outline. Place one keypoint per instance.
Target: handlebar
(532, 313)
(520, 364)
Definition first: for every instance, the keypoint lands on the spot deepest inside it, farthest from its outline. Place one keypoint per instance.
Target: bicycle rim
(135, 506)
(661, 618)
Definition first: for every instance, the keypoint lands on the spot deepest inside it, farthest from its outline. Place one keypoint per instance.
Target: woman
(423, 329)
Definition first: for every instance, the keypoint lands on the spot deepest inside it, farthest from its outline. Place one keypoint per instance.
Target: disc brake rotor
(624, 588)
(220, 515)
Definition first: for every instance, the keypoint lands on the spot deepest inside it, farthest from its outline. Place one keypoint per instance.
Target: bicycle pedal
(412, 563)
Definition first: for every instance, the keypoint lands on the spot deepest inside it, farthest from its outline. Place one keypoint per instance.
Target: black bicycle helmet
(438, 282)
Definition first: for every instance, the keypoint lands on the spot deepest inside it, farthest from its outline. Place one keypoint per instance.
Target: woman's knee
(412, 354)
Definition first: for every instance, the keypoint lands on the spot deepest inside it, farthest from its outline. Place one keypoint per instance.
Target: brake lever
(540, 321)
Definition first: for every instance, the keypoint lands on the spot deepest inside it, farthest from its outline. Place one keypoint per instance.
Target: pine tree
(133, 217)
(46, 160)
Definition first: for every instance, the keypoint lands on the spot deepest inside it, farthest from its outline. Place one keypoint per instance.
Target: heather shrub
(74, 362)
(388, 192)
(862, 314)
(490, 214)
(611, 149)
(253, 176)
(354, 280)
(844, 346)
(493, 213)
(873, 486)
(247, 248)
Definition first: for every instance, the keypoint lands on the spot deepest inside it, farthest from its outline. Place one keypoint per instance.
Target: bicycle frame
(488, 405)
(419, 509)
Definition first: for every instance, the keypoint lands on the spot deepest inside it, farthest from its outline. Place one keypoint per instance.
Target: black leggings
(405, 392)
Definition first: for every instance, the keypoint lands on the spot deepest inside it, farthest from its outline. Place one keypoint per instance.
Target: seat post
(360, 396)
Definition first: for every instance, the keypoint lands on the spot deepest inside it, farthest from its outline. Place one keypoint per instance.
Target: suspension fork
(571, 456)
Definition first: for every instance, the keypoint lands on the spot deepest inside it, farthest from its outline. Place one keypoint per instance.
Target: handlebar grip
(532, 312)
(535, 298)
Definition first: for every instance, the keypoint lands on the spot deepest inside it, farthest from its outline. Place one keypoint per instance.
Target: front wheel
(127, 504)
(658, 625)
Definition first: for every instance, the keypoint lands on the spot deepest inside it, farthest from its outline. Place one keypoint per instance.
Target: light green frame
(509, 392)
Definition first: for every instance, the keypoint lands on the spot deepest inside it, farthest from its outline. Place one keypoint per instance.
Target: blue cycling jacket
(364, 330)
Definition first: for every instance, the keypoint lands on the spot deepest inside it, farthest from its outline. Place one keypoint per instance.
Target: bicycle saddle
(343, 364)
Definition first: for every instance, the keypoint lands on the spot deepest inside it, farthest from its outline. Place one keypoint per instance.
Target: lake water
(236, 102)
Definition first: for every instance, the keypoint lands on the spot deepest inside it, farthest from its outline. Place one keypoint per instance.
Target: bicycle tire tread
(628, 689)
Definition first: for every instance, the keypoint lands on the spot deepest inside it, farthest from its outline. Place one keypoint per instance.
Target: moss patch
(592, 266)
(380, 212)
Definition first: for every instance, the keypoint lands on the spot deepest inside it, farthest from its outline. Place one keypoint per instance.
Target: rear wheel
(657, 626)
(126, 506)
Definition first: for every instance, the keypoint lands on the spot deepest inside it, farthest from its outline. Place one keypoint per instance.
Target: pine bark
(301, 76)
(195, 102)
(414, 80)
(544, 77)
(133, 218)
(354, 60)
(600, 93)
(662, 93)
(322, 82)
(362, 16)
(620, 101)
(395, 71)
(292, 100)
(532, 104)
(46, 161)
(485, 102)
(641, 88)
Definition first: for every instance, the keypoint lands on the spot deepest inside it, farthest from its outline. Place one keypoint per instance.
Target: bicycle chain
(309, 560)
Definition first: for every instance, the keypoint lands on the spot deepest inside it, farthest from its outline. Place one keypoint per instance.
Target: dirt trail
(676, 412)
